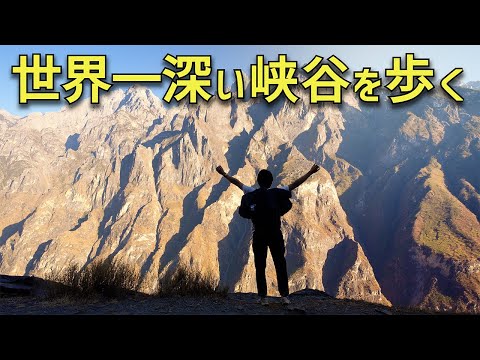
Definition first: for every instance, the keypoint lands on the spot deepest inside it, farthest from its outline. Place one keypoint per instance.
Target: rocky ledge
(304, 302)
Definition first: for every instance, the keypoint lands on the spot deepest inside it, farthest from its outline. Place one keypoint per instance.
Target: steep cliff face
(415, 208)
(439, 250)
(134, 180)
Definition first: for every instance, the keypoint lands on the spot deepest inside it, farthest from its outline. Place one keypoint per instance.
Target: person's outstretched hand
(220, 170)
(314, 169)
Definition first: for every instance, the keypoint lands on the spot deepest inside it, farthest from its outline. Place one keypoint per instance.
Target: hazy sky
(149, 59)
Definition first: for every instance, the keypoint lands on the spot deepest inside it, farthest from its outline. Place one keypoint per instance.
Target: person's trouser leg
(260, 255)
(277, 249)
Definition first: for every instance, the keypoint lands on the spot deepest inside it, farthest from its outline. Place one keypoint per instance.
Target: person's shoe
(263, 300)
(285, 300)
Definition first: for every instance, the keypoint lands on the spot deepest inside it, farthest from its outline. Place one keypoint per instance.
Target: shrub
(107, 277)
(185, 280)
(114, 279)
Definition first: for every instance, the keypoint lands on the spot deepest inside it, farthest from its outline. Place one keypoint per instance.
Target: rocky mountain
(474, 85)
(134, 180)
(392, 215)
(416, 207)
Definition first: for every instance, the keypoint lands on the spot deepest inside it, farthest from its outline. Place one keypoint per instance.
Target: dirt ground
(305, 302)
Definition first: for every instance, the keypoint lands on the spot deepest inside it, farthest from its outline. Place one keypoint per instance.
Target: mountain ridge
(137, 182)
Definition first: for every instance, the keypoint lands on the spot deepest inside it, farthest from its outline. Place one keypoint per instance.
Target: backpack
(265, 207)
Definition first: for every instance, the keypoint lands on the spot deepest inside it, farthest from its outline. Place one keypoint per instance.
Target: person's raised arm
(302, 179)
(229, 178)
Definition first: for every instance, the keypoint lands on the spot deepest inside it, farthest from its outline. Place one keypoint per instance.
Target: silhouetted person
(267, 232)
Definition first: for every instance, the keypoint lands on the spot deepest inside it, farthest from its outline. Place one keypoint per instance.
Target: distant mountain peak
(137, 97)
(5, 114)
(473, 85)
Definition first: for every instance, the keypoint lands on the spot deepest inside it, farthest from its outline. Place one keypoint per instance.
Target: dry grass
(107, 278)
(113, 279)
(185, 280)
